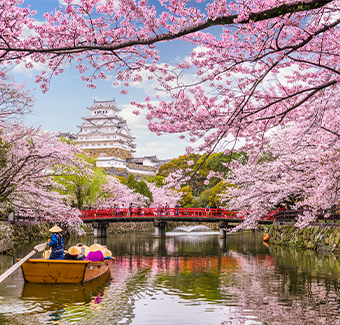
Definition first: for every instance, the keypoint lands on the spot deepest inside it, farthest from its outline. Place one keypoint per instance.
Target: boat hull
(62, 271)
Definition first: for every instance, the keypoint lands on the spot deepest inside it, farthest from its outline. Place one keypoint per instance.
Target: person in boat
(107, 254)
(75, 253)
(95, 254)
(56, 243)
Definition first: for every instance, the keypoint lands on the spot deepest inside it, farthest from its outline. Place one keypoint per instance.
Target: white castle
(106, 136)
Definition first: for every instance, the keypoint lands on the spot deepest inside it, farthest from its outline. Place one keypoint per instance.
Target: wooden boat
(62, 271)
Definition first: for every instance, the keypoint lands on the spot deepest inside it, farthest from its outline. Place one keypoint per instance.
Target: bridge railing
(159, 212)
(278, 215)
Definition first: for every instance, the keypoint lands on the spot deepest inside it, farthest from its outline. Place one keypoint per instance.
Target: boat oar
(37, 248)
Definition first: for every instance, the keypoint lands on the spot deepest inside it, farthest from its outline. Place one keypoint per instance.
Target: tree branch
(299, 6)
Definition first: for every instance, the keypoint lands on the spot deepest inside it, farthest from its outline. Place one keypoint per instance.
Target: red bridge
(144, 214)
(160, 216)
(194, 214)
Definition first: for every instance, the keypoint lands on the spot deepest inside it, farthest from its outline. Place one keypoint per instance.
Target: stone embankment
(320, 237)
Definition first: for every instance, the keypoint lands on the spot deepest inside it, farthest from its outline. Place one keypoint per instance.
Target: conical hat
(74, 250)
(96, 248)
(107, 253)
(55, 229)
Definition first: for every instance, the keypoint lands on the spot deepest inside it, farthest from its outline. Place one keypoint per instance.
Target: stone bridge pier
(160, 227)
(100, 229)
(223, 229)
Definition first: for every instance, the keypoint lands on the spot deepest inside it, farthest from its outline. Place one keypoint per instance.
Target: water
(197, 230)
(193, 279)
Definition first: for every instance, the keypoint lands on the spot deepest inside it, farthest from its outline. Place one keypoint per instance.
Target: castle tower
(104, 133)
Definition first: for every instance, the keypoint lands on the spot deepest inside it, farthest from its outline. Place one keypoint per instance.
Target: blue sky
(62, 107)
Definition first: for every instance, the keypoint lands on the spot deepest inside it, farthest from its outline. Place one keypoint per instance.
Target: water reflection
(205, 230)
(60, 294)
(191, 279)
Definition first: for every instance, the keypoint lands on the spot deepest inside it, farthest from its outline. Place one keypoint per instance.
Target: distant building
(104, 132)
(106, 136)
(151, 161)
(67, 135)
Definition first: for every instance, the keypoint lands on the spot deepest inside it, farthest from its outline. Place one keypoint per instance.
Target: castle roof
(97, 104)
(66, 135)
(99, 131)
(139, 160)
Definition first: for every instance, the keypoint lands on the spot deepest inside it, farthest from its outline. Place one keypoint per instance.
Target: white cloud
(37, 67)
(137, 123)
(162, 149)
(168, 145)
(78, 2)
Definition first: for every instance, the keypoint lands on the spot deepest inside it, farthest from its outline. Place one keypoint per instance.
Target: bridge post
(160, 228)
(100, 229)
(223, 229)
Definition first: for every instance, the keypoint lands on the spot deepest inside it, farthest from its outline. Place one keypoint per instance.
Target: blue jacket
(57, 242)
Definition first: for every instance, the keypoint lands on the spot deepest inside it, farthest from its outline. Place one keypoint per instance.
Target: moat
(185, 279)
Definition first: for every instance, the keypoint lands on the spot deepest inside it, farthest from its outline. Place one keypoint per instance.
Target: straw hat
(107, 253)
(96, 248)
(55, 229)
(74, 250)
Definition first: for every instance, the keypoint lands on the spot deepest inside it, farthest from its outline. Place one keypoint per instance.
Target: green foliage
(157, 179)
(4, 148)
(194, 204)
(210, 196)
(203, 164)
(121, 179)
(139, 187)
(175, 164)
(83, 188)
(219, 188)
(204, 198)
(94, 190)
(67, 140)
(187, 197)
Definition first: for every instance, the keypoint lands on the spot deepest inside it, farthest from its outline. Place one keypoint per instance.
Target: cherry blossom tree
(114, 192)
(255, 65)
(31, 158)
(299, 166)
(274, 61)
(162, 195)
(15, 99)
